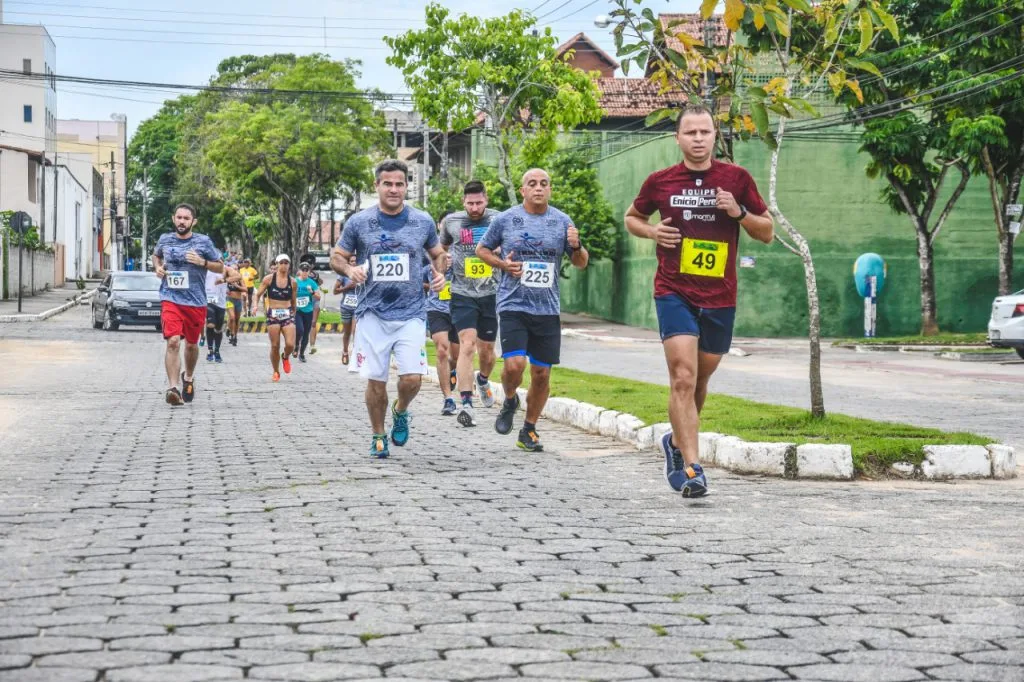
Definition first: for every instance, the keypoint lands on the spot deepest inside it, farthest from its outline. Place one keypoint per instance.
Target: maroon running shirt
(702, 268)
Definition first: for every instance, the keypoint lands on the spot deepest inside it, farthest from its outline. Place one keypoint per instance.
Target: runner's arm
(339, 261)
(639, 225)
(295, 294)
(759, 227)
(158, 266)
(263, 288)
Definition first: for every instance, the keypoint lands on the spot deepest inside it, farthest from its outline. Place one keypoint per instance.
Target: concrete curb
(809, 461)
(47, 314)
(958, 356)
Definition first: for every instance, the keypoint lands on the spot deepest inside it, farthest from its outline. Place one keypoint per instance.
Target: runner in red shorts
(181, 259)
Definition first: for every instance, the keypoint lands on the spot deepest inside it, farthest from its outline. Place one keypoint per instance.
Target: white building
(28, 120)
(76, 220)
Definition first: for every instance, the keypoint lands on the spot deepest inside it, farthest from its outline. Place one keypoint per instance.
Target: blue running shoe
(209, 356)
(696, 484)
(449, 407)
(217, 357)
(399, 425)
(673, 463)
(379, 446)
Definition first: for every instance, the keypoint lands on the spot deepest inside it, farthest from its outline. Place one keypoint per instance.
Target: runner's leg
(464, 369)
(408, 388)
(315, 327)
(537, 397)
(512, 374)
(707, 363)
(172, 361)
(681, 355)
(289, 339)
(191, 358)
(441, 344)
(377, 404)
(274, 332)
(301, 330)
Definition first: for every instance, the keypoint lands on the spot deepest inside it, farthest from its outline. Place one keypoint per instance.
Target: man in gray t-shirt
(390, 242)
(532, 238)
(474, 284)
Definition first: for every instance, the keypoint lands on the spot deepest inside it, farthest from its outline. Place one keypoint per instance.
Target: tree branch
(965, 176)
(789, 246)
(908, 205)
(933, 195)
(997, 204)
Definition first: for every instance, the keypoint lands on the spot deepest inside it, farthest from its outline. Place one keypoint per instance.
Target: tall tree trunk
(444, 155)
(504, 172)
(1005, 263)
(926, 267)
(810, 282)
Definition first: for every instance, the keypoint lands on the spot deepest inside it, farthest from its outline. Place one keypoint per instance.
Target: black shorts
(438, 323)
(475, 313)
(538, 337)
(215, 315)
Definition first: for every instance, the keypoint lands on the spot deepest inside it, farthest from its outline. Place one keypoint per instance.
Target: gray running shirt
(184, 284)
(462, 235)
(392, 249)
(538, 241)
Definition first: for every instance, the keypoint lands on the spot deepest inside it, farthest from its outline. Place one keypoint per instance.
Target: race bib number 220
(390, 267)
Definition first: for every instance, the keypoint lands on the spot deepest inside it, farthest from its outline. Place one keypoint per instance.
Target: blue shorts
(347, 314)
(712, 326)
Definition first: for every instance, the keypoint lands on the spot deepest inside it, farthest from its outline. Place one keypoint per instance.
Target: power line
(574, 13)
(550, 12)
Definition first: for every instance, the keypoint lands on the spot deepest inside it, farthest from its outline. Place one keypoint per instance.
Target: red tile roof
(634, 97)
(692, 25)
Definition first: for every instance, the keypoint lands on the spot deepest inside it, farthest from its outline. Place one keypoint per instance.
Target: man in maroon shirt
(702, 204)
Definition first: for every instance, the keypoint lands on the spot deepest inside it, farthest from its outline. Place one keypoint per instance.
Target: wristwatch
(742, 215)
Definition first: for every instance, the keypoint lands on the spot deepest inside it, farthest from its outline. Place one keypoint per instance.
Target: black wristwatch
(742, 215)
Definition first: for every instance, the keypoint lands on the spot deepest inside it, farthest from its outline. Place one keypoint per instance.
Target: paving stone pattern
(247, 536)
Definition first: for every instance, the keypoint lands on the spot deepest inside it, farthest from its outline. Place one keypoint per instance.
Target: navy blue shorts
(713, 326)
(538, 337)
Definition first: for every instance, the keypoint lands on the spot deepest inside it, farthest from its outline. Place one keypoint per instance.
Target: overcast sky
(183, 41)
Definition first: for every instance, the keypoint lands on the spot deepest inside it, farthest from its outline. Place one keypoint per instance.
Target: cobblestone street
(248, 536)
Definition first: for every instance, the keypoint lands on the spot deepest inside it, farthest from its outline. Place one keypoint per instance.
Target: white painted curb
(45, 315)
(809, 461)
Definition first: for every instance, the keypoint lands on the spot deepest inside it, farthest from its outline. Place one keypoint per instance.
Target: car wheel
(108, 322)
(1020, 352)
(96, 324)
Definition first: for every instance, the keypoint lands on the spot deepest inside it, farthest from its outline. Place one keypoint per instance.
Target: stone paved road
(248, 537)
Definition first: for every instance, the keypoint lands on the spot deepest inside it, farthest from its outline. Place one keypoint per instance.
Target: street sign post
(21, 222)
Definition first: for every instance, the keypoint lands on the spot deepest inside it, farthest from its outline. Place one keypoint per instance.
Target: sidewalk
(44, 304)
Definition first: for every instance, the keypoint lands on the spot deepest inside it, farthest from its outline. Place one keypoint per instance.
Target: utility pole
(145, 215)
(55, 190)
(394, 122)
(115, 260)
(709, 75)
(424, 165)
(333, 239)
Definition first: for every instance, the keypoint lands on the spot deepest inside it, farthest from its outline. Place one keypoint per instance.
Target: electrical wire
(550, 12)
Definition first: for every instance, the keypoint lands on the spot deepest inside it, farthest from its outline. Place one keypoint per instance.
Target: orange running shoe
(276, 377)
(286, 364)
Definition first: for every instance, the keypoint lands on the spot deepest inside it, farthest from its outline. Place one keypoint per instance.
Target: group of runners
(481, 274)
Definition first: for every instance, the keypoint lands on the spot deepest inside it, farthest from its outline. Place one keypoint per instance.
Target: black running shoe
(503, 424)
(188, 389)
(529, 440)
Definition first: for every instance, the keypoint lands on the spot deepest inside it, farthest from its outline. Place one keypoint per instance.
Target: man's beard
(182, 230)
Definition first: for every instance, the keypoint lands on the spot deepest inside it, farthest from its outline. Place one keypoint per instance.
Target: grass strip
(876, 444)
(943, 339)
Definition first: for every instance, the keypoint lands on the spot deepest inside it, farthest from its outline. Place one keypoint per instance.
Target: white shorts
(377, 339)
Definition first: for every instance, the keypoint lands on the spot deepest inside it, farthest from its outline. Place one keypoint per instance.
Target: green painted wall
(825, 193)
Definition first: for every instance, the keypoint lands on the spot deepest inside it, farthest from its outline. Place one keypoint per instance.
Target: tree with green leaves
(466, 70)
(295, 149)
(153, 171)
(986, 39)
(804, 44)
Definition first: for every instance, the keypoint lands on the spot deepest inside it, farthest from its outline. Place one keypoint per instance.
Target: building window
(28, 113)
(26, 65)
(32, 180)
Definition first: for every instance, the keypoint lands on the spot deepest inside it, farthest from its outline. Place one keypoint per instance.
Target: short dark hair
(474, 187)
(191, 209)
(693, 109)
(390, 166)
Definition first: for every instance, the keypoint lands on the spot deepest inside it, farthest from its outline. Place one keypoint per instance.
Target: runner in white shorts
(389, 241)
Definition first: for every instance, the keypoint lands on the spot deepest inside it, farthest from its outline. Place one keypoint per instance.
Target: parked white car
(1006, 326)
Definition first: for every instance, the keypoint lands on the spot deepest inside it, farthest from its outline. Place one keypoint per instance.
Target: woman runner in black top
(279, 288)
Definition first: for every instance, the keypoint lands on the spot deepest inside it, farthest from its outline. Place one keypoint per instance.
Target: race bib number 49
(177, 279)
(538, 275)
(389, 267)
(704, 258)
(477, 269)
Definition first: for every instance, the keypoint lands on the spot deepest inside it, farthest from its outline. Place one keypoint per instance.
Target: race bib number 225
(538, 275)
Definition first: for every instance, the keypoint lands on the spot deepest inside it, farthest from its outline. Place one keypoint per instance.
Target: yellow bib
(477, 269)
(446, 293)
(704, 258)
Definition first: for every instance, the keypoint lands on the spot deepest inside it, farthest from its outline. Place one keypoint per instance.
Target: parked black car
(127, 298)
